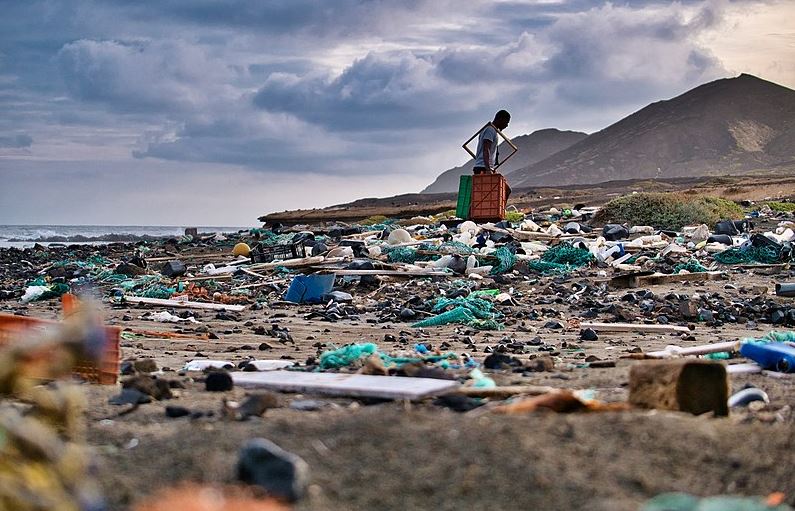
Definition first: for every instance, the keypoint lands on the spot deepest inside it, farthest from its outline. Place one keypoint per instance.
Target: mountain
(728, 126)
(532, 148)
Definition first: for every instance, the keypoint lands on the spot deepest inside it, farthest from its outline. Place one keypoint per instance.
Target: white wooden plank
(342, 384)
(184, 304)
(633, 327)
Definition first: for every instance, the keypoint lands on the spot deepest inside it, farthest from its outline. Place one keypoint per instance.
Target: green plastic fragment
(685, 502)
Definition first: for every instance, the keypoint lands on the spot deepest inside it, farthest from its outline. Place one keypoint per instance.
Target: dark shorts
(479, 170)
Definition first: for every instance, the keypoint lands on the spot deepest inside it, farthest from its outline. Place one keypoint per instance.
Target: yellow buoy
(241, 249)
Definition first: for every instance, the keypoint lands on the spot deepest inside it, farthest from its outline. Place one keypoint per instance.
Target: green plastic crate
(464, 197)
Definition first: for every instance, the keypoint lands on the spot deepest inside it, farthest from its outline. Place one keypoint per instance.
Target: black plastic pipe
(785, 289)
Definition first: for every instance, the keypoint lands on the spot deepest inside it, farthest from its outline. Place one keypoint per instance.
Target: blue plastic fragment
(774, 356)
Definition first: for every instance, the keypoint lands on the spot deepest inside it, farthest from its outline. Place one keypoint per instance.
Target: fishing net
(455, 247)
(402, 255)
(561, 259)
(353, 353)
(482, 309)
(346, 355)
(506, 258)
(460, 315)
(738, 255)
(692, 266)
(475, 312)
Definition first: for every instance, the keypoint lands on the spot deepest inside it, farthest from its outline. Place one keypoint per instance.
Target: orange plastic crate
(106, 372)
(488, 197)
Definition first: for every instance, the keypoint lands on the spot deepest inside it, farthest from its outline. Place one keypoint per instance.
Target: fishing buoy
(241, 249)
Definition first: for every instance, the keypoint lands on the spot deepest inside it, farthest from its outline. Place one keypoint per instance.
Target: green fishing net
(693, 266)
(737, 255)
(561, 259)
(506, 258)
(347, 355)
(402, 255)
(475, 312)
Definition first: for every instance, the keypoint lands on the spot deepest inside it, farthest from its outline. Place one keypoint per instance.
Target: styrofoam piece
(201, 365)
(339, 384)
(167, 317)
(399, 236)
(743, 368)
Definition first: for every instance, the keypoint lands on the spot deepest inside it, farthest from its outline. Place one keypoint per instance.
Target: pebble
(280, 473)
(218, 381)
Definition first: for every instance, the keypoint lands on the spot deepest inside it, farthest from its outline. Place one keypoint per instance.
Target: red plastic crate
(106, 372)
(488, 197)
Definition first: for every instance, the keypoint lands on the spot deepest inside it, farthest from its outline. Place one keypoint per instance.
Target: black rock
(553, 325)
(500, 361)
(459, 403)
(706, 315)
(218, 381)
(588, 334)
(280, 473)
(174, 269)
(407, 313)
(177, 411)
(615, 232)
(130, 396)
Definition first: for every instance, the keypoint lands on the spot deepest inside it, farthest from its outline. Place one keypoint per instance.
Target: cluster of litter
(540, 290)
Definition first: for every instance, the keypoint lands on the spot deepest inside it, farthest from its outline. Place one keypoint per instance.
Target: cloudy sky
(171, 112)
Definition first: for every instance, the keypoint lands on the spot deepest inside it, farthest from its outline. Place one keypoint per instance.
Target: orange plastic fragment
(561, 401)
(775, 499)
(190, 497)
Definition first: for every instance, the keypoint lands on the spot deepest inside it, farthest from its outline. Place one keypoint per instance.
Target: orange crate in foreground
(488, 197)
(106, 372)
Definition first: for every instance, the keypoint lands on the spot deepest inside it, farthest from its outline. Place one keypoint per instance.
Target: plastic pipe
(787, 289)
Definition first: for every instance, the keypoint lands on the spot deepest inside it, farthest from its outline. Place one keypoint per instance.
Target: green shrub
(667, 210)
(374, 220)
(514, 216)
(444, 215)
(782, 206)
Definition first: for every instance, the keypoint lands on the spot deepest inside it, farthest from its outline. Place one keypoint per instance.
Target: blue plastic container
(775, 356)
(309, 288)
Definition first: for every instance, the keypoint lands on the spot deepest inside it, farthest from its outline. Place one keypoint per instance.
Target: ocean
(22, 236)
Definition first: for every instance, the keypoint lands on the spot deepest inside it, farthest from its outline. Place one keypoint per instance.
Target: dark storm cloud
(342, 88)
(376, 92)
(602, 57)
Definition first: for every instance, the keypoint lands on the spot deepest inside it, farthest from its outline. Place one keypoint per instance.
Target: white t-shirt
(489, 133)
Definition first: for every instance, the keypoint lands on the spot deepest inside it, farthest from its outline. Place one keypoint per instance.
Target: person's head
(501, 119)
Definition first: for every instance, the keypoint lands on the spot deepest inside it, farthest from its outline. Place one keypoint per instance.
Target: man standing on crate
(487, 156)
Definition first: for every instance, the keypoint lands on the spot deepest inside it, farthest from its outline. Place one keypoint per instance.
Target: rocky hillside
(728, 126)
(532, 148)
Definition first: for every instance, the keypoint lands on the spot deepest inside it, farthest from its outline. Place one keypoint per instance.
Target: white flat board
(184, 303)
(341, 384)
